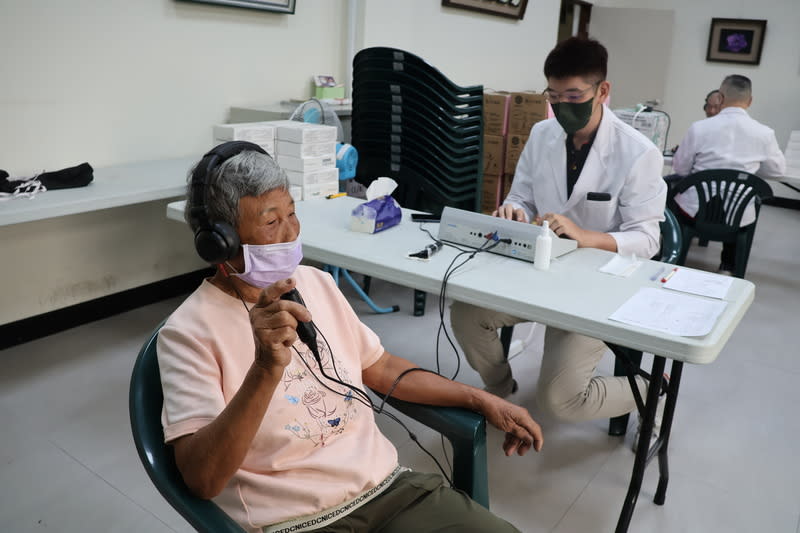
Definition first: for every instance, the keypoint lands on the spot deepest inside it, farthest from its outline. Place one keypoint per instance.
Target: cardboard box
(494, 154)
(305, 164)
(324, 175)
(305, 149)
(525, 109)
(490, 193)
(514, 146)
(320, 190)
(304, 132)
(495, 113)
(505, 187)
(260, 133)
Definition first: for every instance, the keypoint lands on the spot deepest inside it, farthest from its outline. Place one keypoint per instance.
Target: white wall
(469, 48)
(637, 51)
(115, 81)
(776, 81)
(112, 81)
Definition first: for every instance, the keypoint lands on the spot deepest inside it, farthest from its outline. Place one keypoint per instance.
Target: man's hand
(507, 211)
(522, 431)
(274, 322)
(563, 227)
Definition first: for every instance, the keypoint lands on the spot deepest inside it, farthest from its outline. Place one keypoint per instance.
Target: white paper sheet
(702, 283)
(670, 312)
(621, 266)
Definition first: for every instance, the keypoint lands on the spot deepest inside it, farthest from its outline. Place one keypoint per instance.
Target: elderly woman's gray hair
(246, 174)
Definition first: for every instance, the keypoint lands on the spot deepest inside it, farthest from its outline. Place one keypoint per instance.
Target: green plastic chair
(465, 429)
(719, 216)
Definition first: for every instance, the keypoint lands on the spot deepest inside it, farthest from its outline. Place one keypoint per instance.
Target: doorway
(574, 19)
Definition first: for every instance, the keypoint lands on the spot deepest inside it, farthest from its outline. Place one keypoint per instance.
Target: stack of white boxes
(307, 153)
(260, 133)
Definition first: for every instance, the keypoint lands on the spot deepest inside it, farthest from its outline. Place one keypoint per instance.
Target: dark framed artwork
(278, 6)
(514, 9)
(736, 40)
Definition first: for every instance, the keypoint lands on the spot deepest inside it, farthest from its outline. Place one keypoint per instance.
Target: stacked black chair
(414, 125)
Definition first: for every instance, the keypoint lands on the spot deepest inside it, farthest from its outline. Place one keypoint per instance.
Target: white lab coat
(730, 139)
(622, 163)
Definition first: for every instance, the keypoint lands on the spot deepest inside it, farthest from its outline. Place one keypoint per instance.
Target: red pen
(666, 278)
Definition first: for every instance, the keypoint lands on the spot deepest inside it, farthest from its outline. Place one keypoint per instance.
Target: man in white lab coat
(730, 139)
(595, 180)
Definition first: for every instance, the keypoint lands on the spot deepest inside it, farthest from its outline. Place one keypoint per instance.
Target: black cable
(370, 404)
(443, 297)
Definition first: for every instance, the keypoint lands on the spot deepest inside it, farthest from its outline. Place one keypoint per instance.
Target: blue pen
(657, 274)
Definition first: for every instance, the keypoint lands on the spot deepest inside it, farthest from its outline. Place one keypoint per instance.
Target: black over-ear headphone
(216, 242)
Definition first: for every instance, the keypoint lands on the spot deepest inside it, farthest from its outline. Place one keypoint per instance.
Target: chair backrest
(145, 403)
(671, 239)
(723, 195)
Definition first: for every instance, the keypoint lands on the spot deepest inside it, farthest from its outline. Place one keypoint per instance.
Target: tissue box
(376, 215)
(329, 92)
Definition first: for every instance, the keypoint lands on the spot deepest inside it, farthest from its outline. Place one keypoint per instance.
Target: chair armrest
(466, 431)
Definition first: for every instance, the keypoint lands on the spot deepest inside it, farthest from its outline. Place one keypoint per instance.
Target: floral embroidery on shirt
(320, 413)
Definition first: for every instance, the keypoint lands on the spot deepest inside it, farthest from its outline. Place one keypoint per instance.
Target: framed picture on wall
(278, 6)
(514, 9)
(736, 40)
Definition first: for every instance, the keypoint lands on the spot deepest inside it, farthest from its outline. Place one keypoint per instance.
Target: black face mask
(77, 176)
(573, 117)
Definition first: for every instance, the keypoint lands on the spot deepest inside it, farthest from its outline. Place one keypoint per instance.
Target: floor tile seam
(677, 472)
(107, 482)
(578, 497)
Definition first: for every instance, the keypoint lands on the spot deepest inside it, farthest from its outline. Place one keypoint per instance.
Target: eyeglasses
(573, 96)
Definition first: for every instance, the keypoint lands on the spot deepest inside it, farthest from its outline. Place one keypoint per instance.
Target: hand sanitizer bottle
(544, 248)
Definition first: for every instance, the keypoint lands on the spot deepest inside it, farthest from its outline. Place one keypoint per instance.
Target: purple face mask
(265, 264)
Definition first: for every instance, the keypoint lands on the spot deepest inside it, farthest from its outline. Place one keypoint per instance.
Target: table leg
(666, 427)
(643, 447)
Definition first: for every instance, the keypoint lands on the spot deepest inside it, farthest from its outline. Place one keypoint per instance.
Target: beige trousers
(567, 388)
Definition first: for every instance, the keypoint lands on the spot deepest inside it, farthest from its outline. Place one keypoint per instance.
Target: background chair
(628, 362)
(465, 429)
(723, 195)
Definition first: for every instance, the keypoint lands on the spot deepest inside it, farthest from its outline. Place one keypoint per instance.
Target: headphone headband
(215, 241)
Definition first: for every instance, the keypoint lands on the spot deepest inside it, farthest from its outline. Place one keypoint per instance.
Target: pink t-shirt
(315, 449)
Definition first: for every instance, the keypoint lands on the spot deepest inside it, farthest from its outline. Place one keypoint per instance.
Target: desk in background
(572, 295)
(283, 111)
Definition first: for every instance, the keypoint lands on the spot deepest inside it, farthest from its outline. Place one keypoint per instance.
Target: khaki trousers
(567, 388)
(419, 502)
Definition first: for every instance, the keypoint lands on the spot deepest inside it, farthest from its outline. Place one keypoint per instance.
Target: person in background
(281, 436)
(731, 139)
(595, 180)
(713, 103)
(711, 107)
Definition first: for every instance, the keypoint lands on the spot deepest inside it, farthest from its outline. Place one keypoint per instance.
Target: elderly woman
(278, 432)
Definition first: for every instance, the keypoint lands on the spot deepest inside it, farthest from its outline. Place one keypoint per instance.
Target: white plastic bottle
(544, 248)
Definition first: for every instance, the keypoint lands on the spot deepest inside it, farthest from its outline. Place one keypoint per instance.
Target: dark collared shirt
(576, 158)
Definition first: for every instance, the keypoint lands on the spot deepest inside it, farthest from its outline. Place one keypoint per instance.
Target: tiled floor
(67, 462)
